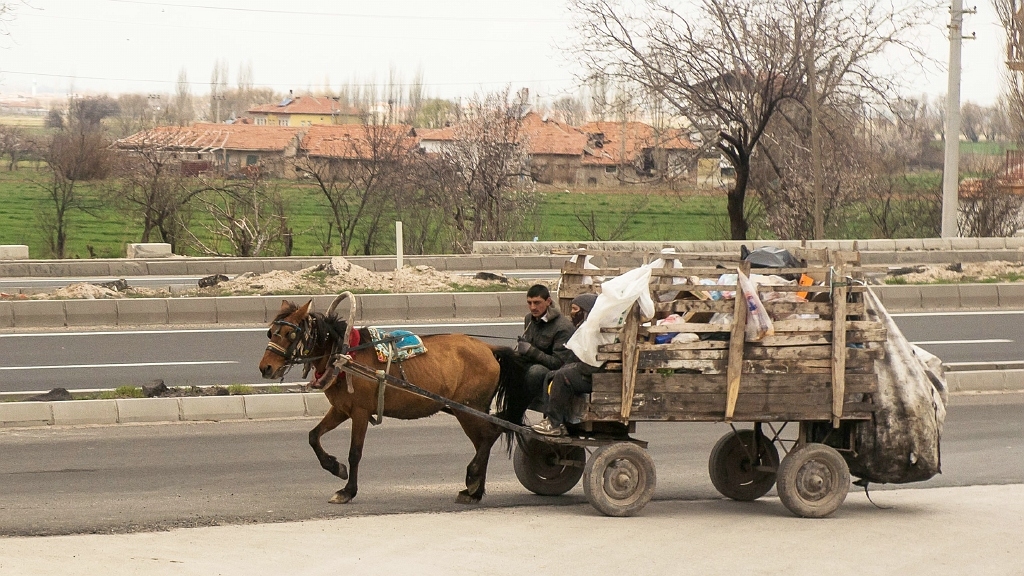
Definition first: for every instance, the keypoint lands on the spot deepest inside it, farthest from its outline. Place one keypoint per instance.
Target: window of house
(611, 169)
(282, 122)
(251, 159)
(591, 181)
(261, 121)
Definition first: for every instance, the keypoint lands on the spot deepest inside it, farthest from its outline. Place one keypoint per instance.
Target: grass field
(103, 232)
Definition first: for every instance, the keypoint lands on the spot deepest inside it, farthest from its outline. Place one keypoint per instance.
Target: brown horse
(455, 366)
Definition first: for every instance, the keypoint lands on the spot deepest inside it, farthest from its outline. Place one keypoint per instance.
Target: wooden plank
(608, 384)
(838, 346)
(781, 326)
(737, 339)
(750, 408)
(630, 356)
(702, 345)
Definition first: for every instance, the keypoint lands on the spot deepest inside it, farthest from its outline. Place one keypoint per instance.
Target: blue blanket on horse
(398, 345)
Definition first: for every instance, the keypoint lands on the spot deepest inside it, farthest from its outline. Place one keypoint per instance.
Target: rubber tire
(813, 481)
(619, 479)
(732, 472)
(535, 467)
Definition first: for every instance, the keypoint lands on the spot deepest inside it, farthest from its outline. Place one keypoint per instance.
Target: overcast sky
(462, 46)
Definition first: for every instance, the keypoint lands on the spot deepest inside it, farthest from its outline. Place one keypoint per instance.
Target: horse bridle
(297, 345)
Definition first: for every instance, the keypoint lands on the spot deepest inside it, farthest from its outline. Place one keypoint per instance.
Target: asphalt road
(130, 478)
(36, 361)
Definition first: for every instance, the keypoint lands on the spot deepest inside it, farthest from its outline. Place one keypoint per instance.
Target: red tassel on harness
(353, 339)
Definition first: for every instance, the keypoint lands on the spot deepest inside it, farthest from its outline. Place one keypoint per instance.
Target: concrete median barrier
(90, 312)
(125, 268)
(477, 305)
(135, 410)
(84, 412)
(6, 315)
(242, 310)
(383, 307)
(17, 414)
(1011, 296)
(431, 306)
(141, 311)
(979, 296)
(212, 408)
(192, 310)
(175, 267)
(317, 404)
(940, 297)
(273, 405)
(39, 313)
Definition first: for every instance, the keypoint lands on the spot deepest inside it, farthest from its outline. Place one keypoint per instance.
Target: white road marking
(262, 329)
(999, 362)
(972, 313)
(989, 341)
(119, 365)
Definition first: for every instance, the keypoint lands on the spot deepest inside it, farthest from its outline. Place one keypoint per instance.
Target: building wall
(300, 120)
(554, 169)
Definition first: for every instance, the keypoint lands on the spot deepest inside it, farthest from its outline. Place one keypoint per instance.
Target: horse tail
(511, 398)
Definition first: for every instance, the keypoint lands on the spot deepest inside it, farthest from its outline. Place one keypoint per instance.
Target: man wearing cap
(545, 332)
(571, 379)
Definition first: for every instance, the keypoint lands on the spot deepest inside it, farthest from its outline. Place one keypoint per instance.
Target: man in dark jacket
(573, 378)
(545, 332)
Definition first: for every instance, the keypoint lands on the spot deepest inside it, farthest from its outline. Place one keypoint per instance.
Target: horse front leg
(330, 421)
(483, 435)
(360, 420)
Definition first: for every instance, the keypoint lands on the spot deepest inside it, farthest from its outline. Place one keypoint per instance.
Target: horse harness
(313, 329)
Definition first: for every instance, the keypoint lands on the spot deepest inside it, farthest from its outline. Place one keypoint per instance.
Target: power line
(518, 19)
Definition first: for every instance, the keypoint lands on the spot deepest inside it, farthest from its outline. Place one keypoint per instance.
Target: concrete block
(241, 310)
(170, 267)
(963, 243)
(435, 262)
(137, 250)
(87, 268)
(288, 264)
(985, 380)
(141, 311)
(979, 296)
(13, 252)
(321, 303)
(710, 247)
(274, 405)
(219, 266)
(84, 412)
(431, 306)
(191, 310)
(375, 308)
(909, 244)
(15, 269)
(6, 315)
(935, 243)
(148, 410)
(878, 244)
(26, 414)
(38, 313)
(317, 404)
(477, 305)
(991, 243)
(1011, 296)
(512, 305)
(491, 263)
(125, 268)
(1014, 242)
(900, 297)
(940, 296)
(377, 264)
(538, 262)
(213, 408)
(91, 312)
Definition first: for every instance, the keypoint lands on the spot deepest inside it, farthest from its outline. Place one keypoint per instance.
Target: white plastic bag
(660, 263)
(587, 265)
(759, 323)
(616, 298)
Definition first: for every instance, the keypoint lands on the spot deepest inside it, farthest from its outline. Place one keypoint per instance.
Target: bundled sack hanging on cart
(901, 443)
(616, 298)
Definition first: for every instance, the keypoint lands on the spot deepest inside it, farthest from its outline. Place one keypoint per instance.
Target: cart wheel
(619, 479)
(543, 468)
(735, 474)
(813, 480)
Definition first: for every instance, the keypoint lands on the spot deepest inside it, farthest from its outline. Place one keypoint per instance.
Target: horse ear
(285, 306)
(306, 308)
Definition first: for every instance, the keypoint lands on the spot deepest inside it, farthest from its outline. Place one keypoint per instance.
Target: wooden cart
(816, 371)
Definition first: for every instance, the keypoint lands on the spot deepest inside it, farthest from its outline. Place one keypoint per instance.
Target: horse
(455, 366)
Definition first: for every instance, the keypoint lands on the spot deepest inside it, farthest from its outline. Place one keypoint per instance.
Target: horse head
(288, 339)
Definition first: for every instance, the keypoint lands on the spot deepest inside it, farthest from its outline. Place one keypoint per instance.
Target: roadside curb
(305, 404)
(154, 410)
(16, 314)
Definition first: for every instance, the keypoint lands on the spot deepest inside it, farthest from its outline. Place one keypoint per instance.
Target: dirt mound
(967, 272)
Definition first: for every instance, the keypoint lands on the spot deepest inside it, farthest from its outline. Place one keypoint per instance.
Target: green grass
(239, 389)
(121, 392)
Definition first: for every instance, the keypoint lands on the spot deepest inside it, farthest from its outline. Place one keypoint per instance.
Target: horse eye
(269, 334)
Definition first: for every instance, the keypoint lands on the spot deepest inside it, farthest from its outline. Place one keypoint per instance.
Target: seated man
(545, 332)
(571, 379)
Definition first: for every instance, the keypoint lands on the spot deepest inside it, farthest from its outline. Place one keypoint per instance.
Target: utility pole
(816, 176)
(951, 163)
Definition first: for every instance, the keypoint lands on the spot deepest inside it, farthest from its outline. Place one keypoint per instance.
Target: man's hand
(523, 347)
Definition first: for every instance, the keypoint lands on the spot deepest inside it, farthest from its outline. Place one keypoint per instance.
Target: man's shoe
(546, 428)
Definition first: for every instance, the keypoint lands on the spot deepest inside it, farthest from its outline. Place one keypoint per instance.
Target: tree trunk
(736, 199)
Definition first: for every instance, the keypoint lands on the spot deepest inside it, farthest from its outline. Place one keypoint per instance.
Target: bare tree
(356, 176)
(182, 110)
(481, 179)
(12, 143)
(77, 153)
(245, 217)
(728, 65)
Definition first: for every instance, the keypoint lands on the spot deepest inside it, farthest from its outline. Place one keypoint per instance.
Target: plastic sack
(901, 443)
(586, 266)
(759, 323)
(616, 298)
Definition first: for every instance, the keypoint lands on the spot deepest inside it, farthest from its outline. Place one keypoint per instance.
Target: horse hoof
(340, 470)
(465, 498)
(340, 497)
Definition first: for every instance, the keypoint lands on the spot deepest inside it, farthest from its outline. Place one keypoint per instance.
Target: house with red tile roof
(632, 152)
(556, 149)
(301, 111)
(357, 141)
(225, 147)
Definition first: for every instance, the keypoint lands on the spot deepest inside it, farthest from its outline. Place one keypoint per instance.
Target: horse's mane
(331, 321)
